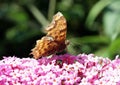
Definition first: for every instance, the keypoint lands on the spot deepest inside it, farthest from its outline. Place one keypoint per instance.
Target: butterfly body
(55, 40)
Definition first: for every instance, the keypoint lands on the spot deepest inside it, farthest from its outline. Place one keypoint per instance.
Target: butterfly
(55, 39)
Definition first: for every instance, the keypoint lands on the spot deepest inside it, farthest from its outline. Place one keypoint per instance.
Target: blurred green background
(93, 25)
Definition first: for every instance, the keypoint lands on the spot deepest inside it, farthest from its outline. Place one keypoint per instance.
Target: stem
(51, 9)
(38, 15)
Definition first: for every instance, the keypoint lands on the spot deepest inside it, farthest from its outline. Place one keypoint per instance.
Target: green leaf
(114, 47)
(111, 20)
(84, 44)
(103, 52)
(90, 39)
(95, 11)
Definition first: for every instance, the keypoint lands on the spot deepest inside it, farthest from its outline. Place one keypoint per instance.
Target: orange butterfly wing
(54, 41)
(58, 28)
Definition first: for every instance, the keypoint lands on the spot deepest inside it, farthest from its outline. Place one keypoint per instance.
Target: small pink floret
(60, 70)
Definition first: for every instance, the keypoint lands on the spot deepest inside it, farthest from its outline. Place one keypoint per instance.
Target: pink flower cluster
(60, 70)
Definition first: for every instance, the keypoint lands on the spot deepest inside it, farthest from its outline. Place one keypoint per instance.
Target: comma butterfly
(55, 40)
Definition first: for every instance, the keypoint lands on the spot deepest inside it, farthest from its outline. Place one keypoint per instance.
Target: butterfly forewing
(59, 28)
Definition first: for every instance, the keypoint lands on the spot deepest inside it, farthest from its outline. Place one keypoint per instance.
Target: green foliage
(111, 20)
(93, 26)
(110, 25)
